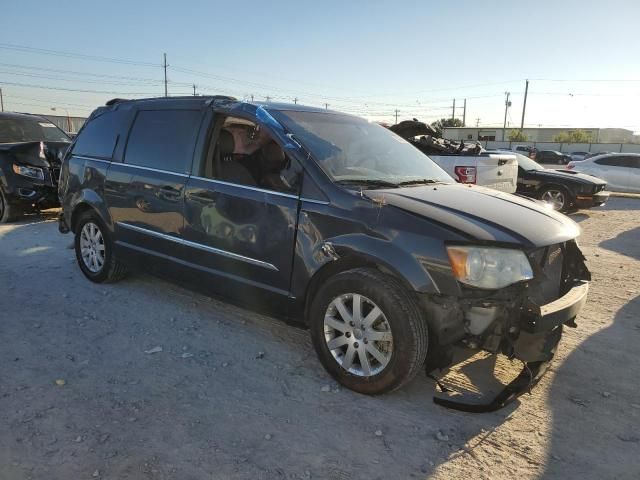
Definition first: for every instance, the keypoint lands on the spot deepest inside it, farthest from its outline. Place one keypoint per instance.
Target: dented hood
(37, 154)
(482, 214)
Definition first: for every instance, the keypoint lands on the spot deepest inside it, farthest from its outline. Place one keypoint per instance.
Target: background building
(598, 135)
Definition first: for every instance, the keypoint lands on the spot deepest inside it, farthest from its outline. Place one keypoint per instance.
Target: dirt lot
(234, 394)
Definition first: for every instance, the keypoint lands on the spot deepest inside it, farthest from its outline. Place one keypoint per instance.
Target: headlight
(31, 172)
(489, 267)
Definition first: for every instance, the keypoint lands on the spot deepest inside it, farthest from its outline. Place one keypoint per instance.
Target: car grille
(548, 267)
(599, 188)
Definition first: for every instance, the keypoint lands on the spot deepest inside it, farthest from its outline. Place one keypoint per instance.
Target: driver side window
(243, 153)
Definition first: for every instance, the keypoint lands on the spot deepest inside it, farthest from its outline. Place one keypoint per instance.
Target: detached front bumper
(595, 200)
(563, 310)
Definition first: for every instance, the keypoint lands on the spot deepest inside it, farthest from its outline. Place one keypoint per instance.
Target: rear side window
(99, 137)
(163, 139)
(619, 161)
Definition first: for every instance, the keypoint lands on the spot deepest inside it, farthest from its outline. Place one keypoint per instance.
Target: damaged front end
(30, 171)
(523, 321)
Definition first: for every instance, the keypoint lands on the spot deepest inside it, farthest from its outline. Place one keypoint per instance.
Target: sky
(369, 58)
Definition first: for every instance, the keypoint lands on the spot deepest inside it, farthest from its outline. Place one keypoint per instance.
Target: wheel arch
(347, 259)
(89, 200)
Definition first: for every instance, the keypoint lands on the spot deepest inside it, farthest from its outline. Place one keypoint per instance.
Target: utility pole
(453, 110)
(464, 113)
(166, 94)
(194, 89)
(267, 98)
(396, 116)
(295, 100)
(252, 97)
(1, 101)
(477, 122)
(326, 106)
(524, 105)
(507, 104)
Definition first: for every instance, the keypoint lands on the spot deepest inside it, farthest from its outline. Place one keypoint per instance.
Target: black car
(564, 190)
(31, 150)
(552, 156)
(325, 219)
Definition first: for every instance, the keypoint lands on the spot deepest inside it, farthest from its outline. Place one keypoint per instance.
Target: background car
(564, 190)
(578, 156)
(620, 170)
(31, 149)
(552, 156)
(594, 154)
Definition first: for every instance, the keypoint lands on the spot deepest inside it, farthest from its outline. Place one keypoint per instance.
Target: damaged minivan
(328, 221)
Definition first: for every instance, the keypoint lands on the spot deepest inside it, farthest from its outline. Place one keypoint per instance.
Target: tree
(439, 125)
(573, 136)
(517, 136)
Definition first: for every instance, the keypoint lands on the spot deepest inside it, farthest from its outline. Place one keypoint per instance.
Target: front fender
(318, 252)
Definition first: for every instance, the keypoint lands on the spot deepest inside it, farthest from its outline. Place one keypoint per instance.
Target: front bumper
(595, 200)
(563, 310)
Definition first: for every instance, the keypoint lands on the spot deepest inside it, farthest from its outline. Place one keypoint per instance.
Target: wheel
(94, 250)
(8, 213)
(367, 331)
(556, 197)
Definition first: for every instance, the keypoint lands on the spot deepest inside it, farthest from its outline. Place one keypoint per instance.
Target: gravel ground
(232, 394)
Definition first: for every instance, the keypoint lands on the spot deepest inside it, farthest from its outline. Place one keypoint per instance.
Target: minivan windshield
(353, 150)
(18, 129)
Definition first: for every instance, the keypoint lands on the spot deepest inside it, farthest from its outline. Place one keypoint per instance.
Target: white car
(620, 170)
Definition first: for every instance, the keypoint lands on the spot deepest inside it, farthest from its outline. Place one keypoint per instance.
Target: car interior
(243, 153)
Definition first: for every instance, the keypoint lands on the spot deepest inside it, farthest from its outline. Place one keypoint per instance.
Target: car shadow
(589, 403)
(626, 243)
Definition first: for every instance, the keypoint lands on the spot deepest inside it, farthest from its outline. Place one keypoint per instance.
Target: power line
(58, 53)
(98, 75)
(77, 90)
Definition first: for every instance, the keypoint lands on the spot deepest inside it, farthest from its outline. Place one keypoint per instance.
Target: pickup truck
(464, 163)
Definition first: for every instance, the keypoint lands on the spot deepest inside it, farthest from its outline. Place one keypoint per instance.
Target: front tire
(8, 212)
(557, 197)
(94, 250)
(368, 331)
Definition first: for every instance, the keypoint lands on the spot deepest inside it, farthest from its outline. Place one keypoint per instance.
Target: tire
(404, 353)
(108, 270)
(8, 213)
(554, 194)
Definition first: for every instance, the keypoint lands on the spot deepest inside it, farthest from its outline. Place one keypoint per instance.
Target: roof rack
(210, 98)
(113, 101)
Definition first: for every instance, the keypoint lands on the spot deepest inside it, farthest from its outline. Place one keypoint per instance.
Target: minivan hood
(482, 214)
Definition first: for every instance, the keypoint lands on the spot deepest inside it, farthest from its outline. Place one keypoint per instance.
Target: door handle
(169, 192)
(204, 197)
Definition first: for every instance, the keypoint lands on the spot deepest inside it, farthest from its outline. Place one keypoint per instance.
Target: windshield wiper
(421, 181)
(369, 182)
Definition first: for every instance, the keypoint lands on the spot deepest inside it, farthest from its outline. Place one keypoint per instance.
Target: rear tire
(94, 250)
(8, 213)
(378, 352)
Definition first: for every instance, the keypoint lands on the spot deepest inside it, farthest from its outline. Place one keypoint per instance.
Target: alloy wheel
(358, 335)
(92, 247)
(555, 198)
